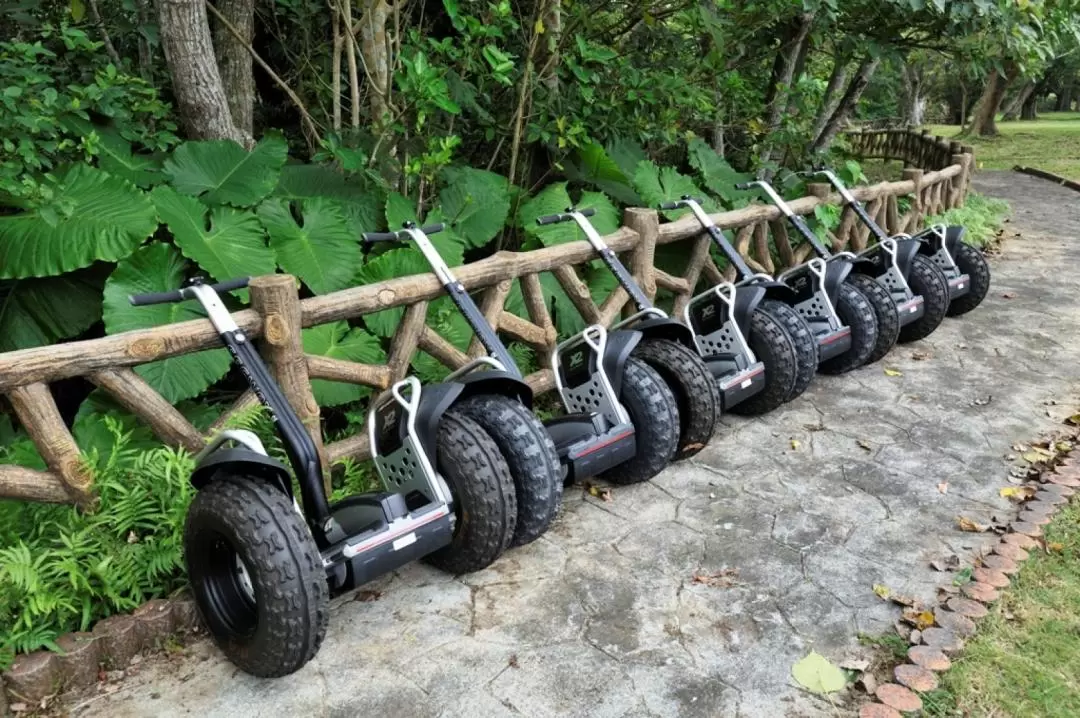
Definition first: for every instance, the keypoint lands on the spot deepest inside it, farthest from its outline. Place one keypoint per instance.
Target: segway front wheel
(855, 311)
(485, 504)
(256, 575)
(806, 347)
(530, 455)
(928, 281)
(694, 388)
(655, 416)
(775, 349)
(888, 317)
(973, 263)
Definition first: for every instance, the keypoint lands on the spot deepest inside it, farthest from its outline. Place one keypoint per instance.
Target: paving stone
(929, 658)
(1071, 481)
(990, 577)
(878, 710)
(1027, 528)
(967, 607)
(1024, 542)
(942, 639)
(1012, 552)
(982, 592)
(915, 678)
(999, 563)
(1048, 497)
(960, 625)
(898, 697)
(1057, 489)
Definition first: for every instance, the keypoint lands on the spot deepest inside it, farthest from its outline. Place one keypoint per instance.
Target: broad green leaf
(160, 268)
(449, 242)
(37, 312)
(445, 319)
(627, 154)
(593, 165)
(361, 202)
(664, 184)
(91, 432)
(223, 172)
(554, 199)
(476, 202)
(115, 157)
(816, 674)
(97, 217)
(228, 244)
(338, 341)
(312, 240)
(717, 175)
(389, 265)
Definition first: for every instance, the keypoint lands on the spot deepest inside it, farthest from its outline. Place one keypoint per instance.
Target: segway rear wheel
(928, 281)
(806, 347)
(971, 262)
(775, 349)
(885, 311)
(530, 455)
(655, 415)
(855, 311)
(694, 389)
(485, 503)
(257, 576)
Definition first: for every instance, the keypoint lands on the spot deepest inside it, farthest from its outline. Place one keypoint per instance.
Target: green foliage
(223, 172)
(313, 240)
(665, 184)
(477, 202)
(61, 570)
(981, 216)
(555, 199)
(338, 341)
(34, 312)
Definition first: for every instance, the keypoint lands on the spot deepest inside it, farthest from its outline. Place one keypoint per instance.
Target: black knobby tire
(530, 455)
(655, 417)
(885, 311)
(775, 349)
(855, 311)
(694, 388)
(806, 347)
(484, 500)
(274, 623)
(971, 262)
(927, 280)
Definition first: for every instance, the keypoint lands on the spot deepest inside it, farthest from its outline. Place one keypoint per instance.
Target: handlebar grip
(588, 212)
(744, 186)
(373, 237)
(669, 205)
(551, 219)
(433, 228)
(230, 285)
(142, 300)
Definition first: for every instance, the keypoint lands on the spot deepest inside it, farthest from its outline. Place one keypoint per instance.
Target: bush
(982, 216)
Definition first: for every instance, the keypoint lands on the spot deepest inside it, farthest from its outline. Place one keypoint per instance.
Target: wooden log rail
(277, 315)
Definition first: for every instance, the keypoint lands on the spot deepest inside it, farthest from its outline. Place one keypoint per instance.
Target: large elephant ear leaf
(160, 268)
(449, 242)
(717, 175)
(230, 244)
(392, 264)
(554, 199)
(664, 184)
(361, 201)
(312, 240)
(96, 217)
(476, 202)
(36, 312)
(338, 341)
(223, 172)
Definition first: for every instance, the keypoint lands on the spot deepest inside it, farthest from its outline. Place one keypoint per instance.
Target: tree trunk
(196, 82)
(983, 123)
(914, 103)
(548, 58)
(145, 15)
(787, 58)
(963, 106)
(1030, 110)
(1012, 109)
(847, 105)
(832, 94)
(375, 48)
(234, 61)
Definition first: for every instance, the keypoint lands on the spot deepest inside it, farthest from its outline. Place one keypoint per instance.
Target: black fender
(835, 274)
(666, 328)
(747, 300)
(496, 382)
(241, 461)
(932, 242)
(906, 249)
(774, 289)
(620, 344)
(954, 237)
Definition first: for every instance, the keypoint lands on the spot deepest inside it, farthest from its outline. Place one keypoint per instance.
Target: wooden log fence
(277, 314)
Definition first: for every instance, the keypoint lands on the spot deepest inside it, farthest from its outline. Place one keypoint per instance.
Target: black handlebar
(179, 295)
(677, 205)
(373, 237)
(669, 205)
(744, 186)
(566, 217)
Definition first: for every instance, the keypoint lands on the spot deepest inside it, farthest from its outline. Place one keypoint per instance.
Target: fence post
(914, 174)
(646, 222)
(275, 298)
(959, 182)
(968, 150)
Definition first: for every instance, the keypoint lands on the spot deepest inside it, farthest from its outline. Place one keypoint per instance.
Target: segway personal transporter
(262, 565)
(668, 347)
(749, 352)
(916, 284)
(846, 266)
(623, 420)
(966, 270)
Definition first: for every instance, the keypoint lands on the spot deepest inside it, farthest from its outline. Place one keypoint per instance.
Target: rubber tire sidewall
(283, 563)
(803, 339)
(971, 262)
(928, 281)
(773, 347)
(530, 455)
(885, 311)
(693, 386)
(485, 502)
(655, 416)
(856, 312)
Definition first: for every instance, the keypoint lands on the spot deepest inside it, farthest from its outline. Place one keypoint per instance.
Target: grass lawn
(1051, 143)
(1025, 660)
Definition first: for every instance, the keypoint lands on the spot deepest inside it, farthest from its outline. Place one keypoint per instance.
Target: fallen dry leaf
(971, 526)
(367, 596)
(949, 563)
(1054, 547)
(869, 683)
(513, 661)
(601, 492)
(882, 591)
(893, 372)
(920, 619)
(983, 402)
(855, 664)
(943, 487)
(725, 578)
(864, 444)
(1074, 420)
(921, 356)
(795, 444)
(1009, 295)
(1017, 493)
(901, 600)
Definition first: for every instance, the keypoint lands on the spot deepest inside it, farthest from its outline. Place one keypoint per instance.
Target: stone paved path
(602, 618)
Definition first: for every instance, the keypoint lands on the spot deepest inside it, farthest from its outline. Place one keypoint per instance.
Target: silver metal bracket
(217, 313)
(408, 468)
(597, 394)
(245, 438)
(892, 279)
(729, 338)
(650, 312)
(943, 257)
